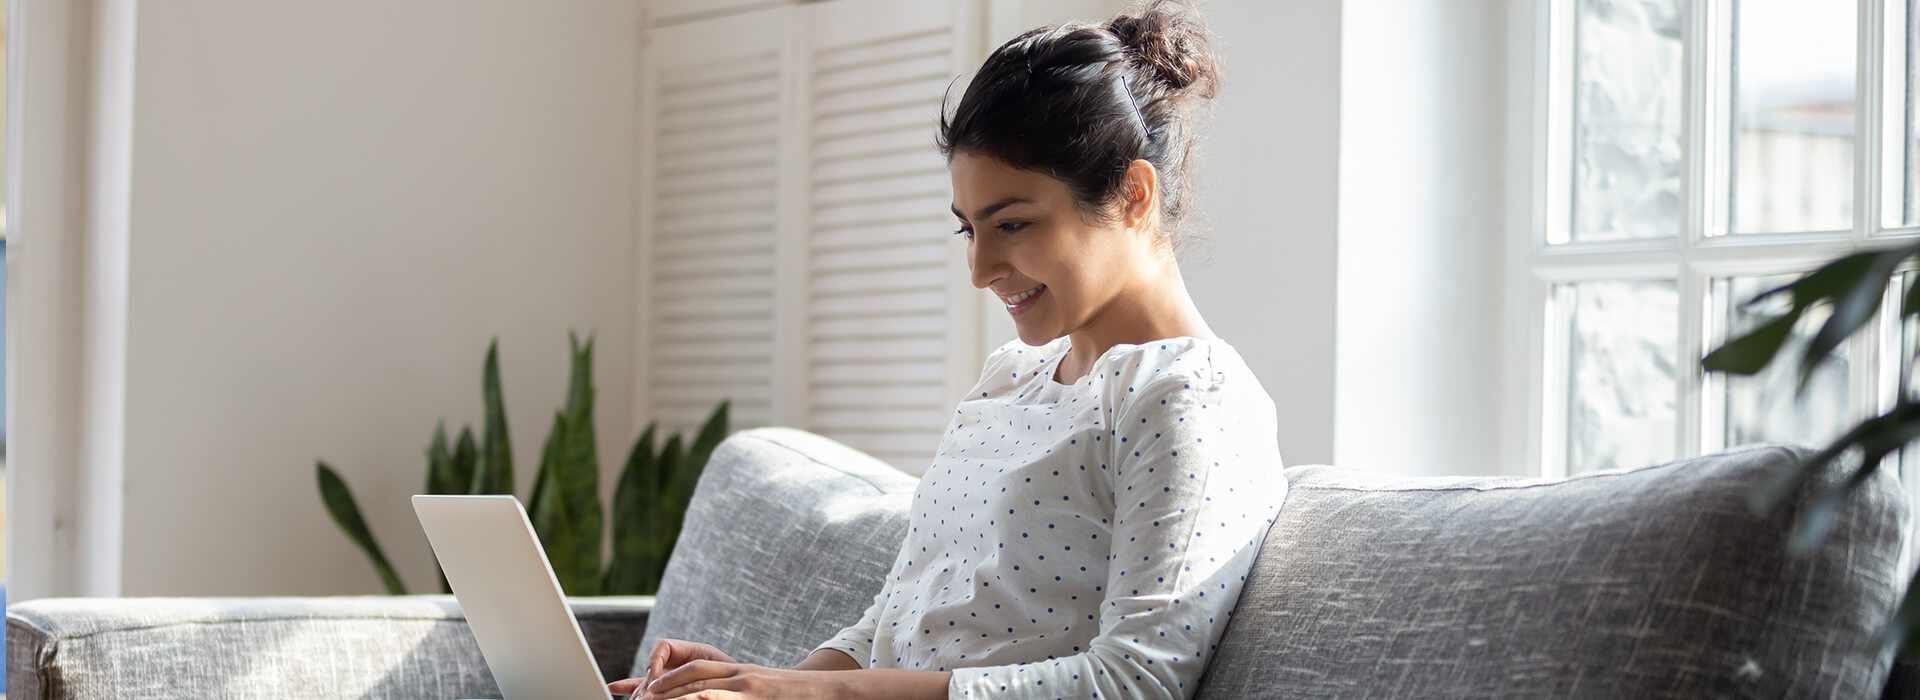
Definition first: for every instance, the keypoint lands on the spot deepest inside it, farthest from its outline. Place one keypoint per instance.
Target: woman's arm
(827, 660)
(750, 682)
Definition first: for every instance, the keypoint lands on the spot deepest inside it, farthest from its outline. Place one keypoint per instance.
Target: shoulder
(1009, 363)
(1175, 366)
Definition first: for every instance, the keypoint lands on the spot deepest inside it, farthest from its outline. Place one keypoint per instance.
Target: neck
(1159, 308)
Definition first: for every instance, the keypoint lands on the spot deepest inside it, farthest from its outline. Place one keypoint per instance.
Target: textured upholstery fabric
(787, 540)
(1653, 583)
(347, 647)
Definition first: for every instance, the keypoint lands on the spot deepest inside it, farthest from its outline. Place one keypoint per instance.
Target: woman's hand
(724, 680)
(667, 655)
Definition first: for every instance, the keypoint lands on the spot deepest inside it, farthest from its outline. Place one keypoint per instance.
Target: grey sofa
(1655, 582)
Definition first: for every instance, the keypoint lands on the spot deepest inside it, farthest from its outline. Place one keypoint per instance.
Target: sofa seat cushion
(787, 540)
(1652, 583)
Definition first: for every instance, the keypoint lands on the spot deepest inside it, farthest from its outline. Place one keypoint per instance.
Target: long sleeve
(857, 640)
(1195, 484)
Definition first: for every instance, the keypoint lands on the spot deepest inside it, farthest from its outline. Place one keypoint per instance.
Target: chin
(1036, 337)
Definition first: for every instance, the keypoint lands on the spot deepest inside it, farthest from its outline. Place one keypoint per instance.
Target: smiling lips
(1020, 302)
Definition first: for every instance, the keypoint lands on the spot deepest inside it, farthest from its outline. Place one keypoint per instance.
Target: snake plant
(648, 504)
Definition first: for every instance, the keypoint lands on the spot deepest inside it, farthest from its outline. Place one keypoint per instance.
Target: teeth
(1023, 296)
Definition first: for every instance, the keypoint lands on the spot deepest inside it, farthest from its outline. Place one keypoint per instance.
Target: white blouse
(1082, 540)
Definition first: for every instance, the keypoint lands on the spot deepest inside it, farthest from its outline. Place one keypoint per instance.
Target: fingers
(695, 676)
(657, 661)
(630, 686)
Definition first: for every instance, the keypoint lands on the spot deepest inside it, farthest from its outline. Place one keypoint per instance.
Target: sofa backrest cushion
(1652, 583)
(789, 537)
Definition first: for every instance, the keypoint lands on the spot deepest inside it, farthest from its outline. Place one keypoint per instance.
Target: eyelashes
(1005, 227)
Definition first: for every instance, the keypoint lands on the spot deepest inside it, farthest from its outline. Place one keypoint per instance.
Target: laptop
(512, 600)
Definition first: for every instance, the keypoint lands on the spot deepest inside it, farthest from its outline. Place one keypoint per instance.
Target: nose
(984, 262)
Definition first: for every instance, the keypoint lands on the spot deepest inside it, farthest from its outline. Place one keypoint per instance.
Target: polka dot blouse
(1083, 540)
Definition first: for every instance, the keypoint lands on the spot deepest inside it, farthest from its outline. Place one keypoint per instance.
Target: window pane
(1763, 408)
(1626, 119)
(1901, 201)
(1793, 111)
(1621, 373)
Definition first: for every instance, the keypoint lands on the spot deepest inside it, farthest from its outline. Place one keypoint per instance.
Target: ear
(1139, 195)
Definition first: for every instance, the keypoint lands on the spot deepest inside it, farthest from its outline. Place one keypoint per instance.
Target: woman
(1086, 524)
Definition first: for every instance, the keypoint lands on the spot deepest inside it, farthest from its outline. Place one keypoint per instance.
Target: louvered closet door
(662, 12)
(890, 320)
(711, 97)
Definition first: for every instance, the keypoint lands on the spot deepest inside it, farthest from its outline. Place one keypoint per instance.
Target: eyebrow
(988, 210)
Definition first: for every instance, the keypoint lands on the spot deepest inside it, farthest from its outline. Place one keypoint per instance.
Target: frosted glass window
(1622, 373)
(1627, 129)
(1793, 116)
(1901, 147)
(1763, 407)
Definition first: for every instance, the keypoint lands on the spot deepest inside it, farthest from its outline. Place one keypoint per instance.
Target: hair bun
(1169, 39)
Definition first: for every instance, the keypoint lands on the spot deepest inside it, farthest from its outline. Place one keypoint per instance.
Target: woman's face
(1026, 241)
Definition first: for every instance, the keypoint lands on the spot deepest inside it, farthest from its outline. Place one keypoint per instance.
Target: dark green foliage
(339, 501)
(495, 472)
(648, 505)
(1853, 287)
(565, 507)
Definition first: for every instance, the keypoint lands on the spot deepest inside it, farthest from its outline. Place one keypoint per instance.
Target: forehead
(982, 180)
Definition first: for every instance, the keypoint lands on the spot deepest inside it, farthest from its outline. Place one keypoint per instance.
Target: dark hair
(1080, 102)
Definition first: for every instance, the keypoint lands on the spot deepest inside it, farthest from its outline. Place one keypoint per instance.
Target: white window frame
(1540, 85)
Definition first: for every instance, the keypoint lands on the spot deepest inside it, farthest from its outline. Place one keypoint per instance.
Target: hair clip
(1121, 78)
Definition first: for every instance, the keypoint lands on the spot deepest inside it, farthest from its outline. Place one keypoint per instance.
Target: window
(1689, 155)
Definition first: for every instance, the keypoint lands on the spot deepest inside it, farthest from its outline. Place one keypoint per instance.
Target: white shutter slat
(879, 166)
(902, 67)
(843, 56)
(871, 373)
(894, 326)
(877, 349)
(912, 116)
(878, 142)
(661, 12)
(915, 253)
(902, 209)
(716, 78)
(911, 396)
(884, 281)
(907, 231)
(928, 184)
(884, 96)
(679, 123)
(910, 423)
(869, 306)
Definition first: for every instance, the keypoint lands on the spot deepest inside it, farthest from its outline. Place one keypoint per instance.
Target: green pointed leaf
(1855, 301)
(639, 544)
(555, 525)
(1877, 438)
(441, 479)
(440, 463)
(340, 504)
(1910, 305)
(1829, 281)
(709, 436)
(1750, 353)
(465, 457)
(671, 455)
(495, 472)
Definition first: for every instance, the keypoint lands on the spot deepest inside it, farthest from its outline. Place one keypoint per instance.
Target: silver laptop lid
(510, 596)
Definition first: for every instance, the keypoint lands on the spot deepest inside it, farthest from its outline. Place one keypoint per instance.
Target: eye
(1012, 226)
(964, 231)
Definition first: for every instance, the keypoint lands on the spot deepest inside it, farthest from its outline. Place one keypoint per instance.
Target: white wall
(1265, 199)
(334, 206)
(1423, 106)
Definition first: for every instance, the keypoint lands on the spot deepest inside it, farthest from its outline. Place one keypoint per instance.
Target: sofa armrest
(376, 646)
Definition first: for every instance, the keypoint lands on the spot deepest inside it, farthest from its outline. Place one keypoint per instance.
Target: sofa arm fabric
(789, 537)
(1652, 583)
(335, 647)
